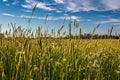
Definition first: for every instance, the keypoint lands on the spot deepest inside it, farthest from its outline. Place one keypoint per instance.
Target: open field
(57, 55)
(59, 40)
(59, 59)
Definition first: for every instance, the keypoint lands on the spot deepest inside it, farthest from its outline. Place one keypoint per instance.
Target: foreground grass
(59, 59)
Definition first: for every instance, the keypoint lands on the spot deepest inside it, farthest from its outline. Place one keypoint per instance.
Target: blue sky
(87, 12)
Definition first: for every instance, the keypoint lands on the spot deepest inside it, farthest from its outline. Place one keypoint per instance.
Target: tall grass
(25, 58)
(28, 55)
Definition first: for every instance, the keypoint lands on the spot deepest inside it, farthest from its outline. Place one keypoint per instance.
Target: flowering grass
(59, 59)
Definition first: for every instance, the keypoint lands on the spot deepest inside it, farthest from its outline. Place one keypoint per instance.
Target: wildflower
(51, 59)
(118, 72)
(21, 52)
(64, 59)
(95, 64)
(118, 66)
(35, 68)
(57, 63)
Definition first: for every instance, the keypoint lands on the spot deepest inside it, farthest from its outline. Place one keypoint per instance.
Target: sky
(88, 13)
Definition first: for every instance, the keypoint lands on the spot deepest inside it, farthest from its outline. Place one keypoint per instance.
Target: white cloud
(59, 1)
(73, 17)
(43, 18)
(111, 5)
(15, 2)
(23, 16)
(7, 4)
(27, 11)
(82, 5)
(4, 0)
(33, 17)
(87, 5)
(65, 14)
(63, 17)
(110, 20)
(74, 5)
(28, 6)
(43, 6)
(31, 3)
(7, 14)
(58, 11)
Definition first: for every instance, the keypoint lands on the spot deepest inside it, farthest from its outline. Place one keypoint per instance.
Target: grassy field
(58, 55)
(59, 59)
(25, 55)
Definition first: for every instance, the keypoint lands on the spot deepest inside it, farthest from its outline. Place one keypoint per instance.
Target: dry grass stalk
(80, 31)
(33, 10)
(46, 19)
(60, 30)
(111, 30)
(39, 32)
(0, 28)
(69, 25)
(94, 30)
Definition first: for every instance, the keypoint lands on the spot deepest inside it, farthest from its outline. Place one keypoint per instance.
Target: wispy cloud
(111, 5)
(74, 5)
(43, 18)
(4, 0)
(50, 17)
(58, 11)
(31, 3)
(110, 20)
(82, 5)
(7, 4)
(15, 2)
(59, 1)
(28, 6)
(27, 10)
(72, 17)
(63, 17)
(7, 14)
(87, 5)
(43, 6)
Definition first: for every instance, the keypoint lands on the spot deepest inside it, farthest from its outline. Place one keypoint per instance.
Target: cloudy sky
(87, 12)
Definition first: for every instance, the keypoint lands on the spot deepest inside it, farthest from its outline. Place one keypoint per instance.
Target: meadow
(24, 57)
